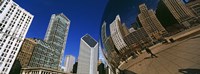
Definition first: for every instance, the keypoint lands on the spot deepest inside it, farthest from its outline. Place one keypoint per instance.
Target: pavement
(180, 57)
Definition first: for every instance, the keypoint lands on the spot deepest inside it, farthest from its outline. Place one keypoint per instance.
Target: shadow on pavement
(189, 71)
(147, 58)
(127, 72)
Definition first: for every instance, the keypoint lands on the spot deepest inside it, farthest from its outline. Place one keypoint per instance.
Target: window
(2, 54)
(3, 69)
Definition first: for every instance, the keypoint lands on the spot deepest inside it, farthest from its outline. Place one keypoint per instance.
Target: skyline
(122, 43)
(91, 17)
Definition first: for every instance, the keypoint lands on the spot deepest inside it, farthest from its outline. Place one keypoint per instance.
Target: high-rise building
(117, 33)
(69, 62)
(179, 10)
(88, 55)
(57, 33)
(150, 23)
(14, 24)
(26, 51)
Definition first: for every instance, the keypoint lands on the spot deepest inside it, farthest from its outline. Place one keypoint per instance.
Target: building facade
(44, 56)
(57, 32)
(150, 23)
(180, 11)
(88, 55)
(26, 51)
(14, 24)
(69, 62)
(116, 31)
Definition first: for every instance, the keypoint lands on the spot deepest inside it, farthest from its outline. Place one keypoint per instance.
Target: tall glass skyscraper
(57, 33)
(88, 55)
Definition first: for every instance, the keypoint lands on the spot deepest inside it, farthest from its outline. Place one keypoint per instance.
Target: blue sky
(85, 16)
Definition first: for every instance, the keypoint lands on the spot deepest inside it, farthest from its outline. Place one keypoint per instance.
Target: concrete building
(180, 11)
(150, 23)
(57, 32)
(14, 24)
(26, 51)
(117, 34)
(88, 55)
(69, 62)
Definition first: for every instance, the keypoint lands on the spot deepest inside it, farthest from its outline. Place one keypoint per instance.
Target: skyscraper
(117, 33)
(57, 33)
(69, 62)
(179, 10)
(88, 55)
(150, 23)
(14, 24)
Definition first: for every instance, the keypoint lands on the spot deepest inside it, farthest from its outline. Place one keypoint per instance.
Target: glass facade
(57, 33)
(44, 55)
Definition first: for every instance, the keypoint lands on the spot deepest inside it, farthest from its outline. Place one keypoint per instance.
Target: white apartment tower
(14, 24)
(88, 55)
(69, 62)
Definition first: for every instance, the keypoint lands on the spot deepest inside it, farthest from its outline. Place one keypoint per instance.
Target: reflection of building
(117, 33)
(44, 56)
(14, 24)
(57, 32)
(69, 62)
(150, 23)
(26, 51)
(138, 38)
(103, 32)
(88, 55)
(179, 10)
(112, 55)
(195, 7)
